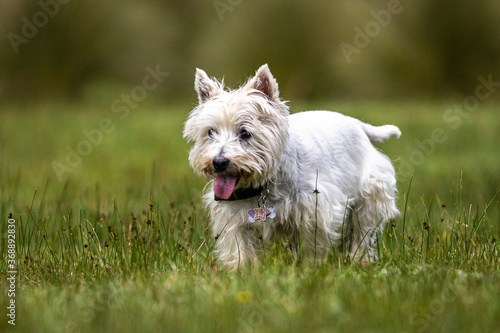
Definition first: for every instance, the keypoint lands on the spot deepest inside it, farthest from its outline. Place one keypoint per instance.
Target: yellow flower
(244, 297)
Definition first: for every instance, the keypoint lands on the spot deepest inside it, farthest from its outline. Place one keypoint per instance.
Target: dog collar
(242, 194)
(260, 213)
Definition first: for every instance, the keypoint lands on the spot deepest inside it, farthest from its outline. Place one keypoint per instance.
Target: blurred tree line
(321, 49)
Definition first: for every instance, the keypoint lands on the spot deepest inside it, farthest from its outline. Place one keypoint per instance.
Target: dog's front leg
(237, 245)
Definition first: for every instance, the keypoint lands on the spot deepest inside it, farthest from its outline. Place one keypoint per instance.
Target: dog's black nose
(220, 163)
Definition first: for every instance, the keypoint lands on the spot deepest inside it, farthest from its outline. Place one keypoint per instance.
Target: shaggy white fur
(324, 177)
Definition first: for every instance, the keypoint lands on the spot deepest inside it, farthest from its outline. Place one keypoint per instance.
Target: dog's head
(239, 136)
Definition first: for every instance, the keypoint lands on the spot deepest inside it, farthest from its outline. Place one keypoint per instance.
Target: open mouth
(224, 185)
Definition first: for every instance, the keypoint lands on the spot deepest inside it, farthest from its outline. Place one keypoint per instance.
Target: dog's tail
(380, 133)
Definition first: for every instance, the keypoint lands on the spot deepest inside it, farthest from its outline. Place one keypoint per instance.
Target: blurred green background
(75, 49)
(67, 66)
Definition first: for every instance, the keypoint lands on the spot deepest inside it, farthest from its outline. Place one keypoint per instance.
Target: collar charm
(261, 213)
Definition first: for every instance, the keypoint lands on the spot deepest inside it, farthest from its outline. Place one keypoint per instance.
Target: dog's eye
(245, 135)
(211, 133)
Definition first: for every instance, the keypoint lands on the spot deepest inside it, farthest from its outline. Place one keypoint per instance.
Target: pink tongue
(224, 185)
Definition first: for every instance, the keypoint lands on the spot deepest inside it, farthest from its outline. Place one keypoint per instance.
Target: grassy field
(111, 234)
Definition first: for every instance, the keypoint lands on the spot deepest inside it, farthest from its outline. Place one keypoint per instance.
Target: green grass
(120, 243)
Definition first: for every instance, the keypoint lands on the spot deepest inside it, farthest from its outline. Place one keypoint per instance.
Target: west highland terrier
(310, 177)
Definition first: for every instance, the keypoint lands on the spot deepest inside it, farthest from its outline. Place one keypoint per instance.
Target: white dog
(308, 177)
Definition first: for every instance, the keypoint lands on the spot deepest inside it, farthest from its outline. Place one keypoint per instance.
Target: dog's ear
(205, 86)
(264, 82)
